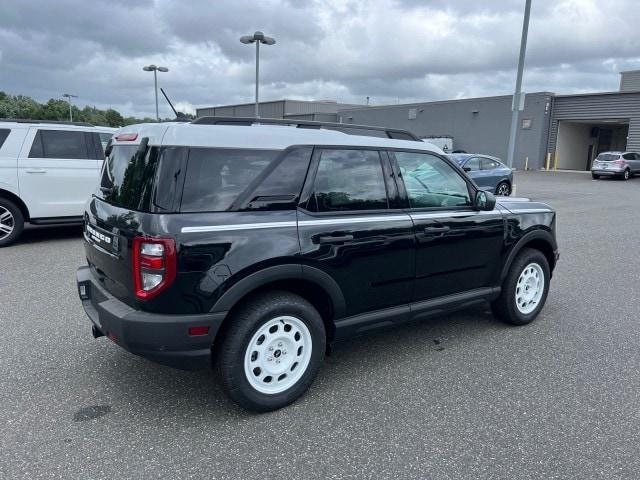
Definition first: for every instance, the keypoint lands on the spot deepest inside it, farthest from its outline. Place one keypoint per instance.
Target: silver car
(616, 164)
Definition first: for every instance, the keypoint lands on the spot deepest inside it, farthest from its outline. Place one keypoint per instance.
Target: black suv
(252, 247)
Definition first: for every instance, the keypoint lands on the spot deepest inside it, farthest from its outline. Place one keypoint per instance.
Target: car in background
(48, 170)
(489, 173)
(616, 164)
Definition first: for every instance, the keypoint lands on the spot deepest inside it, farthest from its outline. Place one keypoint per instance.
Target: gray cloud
(402, 50)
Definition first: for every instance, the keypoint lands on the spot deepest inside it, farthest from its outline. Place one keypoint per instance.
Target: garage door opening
(579, 142)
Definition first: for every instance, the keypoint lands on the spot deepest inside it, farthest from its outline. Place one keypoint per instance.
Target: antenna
(181, 117)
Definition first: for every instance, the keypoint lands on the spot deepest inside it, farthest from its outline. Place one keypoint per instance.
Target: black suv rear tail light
(154, 265)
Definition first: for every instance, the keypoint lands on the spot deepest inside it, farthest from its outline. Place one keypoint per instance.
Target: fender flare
(283, 272)
(537, 234)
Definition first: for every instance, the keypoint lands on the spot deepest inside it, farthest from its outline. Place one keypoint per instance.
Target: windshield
(608, 157)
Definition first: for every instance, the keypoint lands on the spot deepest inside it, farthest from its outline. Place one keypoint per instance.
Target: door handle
(335, 239)
(36, 170)
(442, 229)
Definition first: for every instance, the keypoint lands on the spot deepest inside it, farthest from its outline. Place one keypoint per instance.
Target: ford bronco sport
(253, 247)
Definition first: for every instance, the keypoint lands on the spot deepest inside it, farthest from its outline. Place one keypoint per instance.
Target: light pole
(68, 96)
(257, 38)
(155, 69)
(518, 93)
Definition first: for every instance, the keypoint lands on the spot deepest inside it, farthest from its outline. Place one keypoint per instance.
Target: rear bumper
(607, 171)
(161, 338)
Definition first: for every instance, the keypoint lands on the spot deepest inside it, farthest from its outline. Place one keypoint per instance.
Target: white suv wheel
(7, 222)
(529, 288)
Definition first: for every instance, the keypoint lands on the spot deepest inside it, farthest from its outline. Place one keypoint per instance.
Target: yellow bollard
(526, 163)
(548, 161)
(555, 161)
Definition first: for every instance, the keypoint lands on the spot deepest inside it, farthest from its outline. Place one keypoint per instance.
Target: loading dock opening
(580, 141)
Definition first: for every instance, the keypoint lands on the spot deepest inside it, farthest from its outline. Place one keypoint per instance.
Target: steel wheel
(503, 189)
(529, 288)
(7, 223)
(278, 355)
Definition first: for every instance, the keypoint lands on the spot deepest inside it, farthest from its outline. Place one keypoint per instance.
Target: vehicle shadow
(41, 233)
(150, 388)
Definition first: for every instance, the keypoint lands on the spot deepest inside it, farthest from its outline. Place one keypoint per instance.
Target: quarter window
(4, 133)
(432, 182)
(64, 144)
(349, 180)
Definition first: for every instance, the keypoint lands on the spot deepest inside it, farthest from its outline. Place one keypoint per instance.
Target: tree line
(23, 107)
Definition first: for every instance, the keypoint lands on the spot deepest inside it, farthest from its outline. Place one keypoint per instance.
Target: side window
(4, 133)
(432, 182)
(216, 177)
(60, 144)
(488, 164)
(104, 139)
(629, 156)
(349, 180)
(473, 164)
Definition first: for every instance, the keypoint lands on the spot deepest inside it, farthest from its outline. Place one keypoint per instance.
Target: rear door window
(488, 164)
(473, 164)
(349, 180)
(4, 133)
(216, 177)
(65, 144)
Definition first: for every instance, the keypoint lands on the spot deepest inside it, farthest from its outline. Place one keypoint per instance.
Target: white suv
(47, 172)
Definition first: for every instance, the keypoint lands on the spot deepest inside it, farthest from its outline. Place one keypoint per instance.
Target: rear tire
(504, 189)
(524, 290)
(626, 175)
(11, 222)
(595, 176)
(272, 351)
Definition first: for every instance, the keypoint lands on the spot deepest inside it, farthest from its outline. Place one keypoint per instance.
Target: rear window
(216, 177)
(4, 133)
(608, 157)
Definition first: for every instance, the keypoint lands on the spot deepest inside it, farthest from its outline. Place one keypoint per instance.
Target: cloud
(390, 50)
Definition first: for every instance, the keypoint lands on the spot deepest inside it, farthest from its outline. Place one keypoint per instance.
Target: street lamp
(155, 69)
(257, 38)
(68, 96)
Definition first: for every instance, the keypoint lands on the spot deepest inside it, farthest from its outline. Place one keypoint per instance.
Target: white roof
(55, 126)
(270, 137)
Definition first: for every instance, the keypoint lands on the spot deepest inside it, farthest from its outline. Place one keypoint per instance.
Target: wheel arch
(541, 240)
(17, 200)
(312, 284)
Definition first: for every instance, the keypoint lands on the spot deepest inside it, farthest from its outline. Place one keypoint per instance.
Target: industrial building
(554, 131)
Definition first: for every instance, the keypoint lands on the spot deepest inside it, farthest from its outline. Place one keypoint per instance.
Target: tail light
(154, 265)
(619, 162)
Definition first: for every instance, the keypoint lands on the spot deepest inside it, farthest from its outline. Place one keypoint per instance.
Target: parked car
(616, 164)
(47, 172)
(488, 172)
(253, 248)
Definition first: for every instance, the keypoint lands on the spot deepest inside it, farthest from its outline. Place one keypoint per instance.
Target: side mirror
(467, 169)
(485, 200)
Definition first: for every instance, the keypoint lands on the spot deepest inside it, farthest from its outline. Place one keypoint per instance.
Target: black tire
(15, 221)
(505, 308)
(503, 185)
(595, 176)
(247, 320)
(626, 175)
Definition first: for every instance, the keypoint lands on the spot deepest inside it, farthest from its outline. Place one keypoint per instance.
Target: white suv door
(58, 171)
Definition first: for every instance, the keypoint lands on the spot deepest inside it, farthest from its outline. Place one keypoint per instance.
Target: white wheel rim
(278, 355)
(7, 223)
(529, 288)
(503, 189)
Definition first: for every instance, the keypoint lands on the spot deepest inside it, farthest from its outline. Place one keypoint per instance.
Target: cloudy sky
(391, 50)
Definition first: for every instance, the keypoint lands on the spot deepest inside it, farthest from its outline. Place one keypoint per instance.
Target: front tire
(11, 222)
(595, 176)
(524, 290)
(272, 351)
(503, 189)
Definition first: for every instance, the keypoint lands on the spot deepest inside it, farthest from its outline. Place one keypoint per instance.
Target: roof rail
(349, 128)
(54, 122)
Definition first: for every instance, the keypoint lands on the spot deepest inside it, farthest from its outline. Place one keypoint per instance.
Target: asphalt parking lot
(457, 397)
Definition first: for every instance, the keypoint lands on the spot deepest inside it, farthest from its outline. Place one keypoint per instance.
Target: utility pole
(257, 38)
(68, 96)
(518, 92)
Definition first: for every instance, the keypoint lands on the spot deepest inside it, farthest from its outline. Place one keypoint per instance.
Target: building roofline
(616, 92)
(282, 100)
(629, 71)
(417, 104)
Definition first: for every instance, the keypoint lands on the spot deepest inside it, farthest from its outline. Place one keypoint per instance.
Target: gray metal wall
(275, 109)
(597, 107)
(630, 81)
(478, 125)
